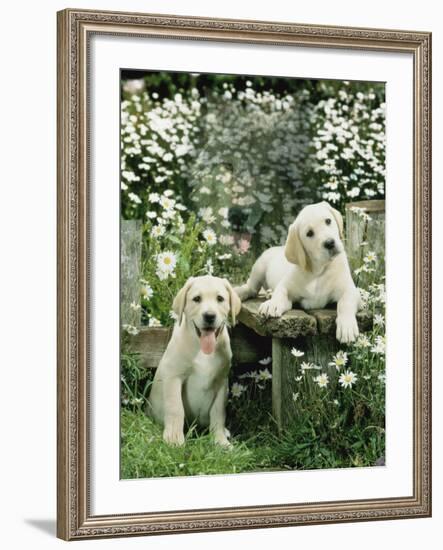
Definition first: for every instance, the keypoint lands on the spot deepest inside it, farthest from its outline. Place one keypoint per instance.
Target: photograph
(244, 274)
(252, 274)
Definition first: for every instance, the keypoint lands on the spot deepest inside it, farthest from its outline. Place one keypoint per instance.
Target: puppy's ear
(178, 305)
(294, 249)
(338, 218)
(234, 301)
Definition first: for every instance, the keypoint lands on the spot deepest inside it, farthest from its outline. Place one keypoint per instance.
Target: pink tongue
(207, 341)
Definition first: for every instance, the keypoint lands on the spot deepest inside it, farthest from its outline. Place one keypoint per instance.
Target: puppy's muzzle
(209, 319)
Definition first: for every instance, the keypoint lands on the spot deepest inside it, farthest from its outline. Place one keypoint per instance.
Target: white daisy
(146, 291)
(237, 389)
(253, 374)
(206, 214)
(167, 203)
(339, 360)
(297, 353)
(151, 214)
(166, 262)
(362, 342)
(379, 320)
(210, 237)
(134, 198)
(153, 197)
(264, 375)
(379, 346)
(158, 231)
(295, 396)
(347, 379)
(322, 380)
(370, 257)
(154, 322)
(265, 361)
(134, 306)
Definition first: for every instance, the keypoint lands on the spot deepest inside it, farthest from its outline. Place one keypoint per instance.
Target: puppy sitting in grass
(191, 381)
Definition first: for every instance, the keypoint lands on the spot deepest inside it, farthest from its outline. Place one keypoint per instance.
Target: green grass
(352, 435)
(145, 454)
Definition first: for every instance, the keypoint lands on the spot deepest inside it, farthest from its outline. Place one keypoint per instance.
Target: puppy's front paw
(220, 437)
(174, 436)
(271, 308)
(347, 329)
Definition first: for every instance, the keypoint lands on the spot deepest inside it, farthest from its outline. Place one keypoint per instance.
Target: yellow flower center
(167, 260)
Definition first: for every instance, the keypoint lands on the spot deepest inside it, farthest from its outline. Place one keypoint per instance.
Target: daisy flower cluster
(247, 383)
(158, 137)
(349, 146)
(360, 368)
(323, 375)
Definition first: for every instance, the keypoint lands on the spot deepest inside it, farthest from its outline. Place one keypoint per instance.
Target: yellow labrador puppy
(191, 380)
(311, 269)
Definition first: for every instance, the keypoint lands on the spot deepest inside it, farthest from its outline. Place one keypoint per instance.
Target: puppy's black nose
(209, 318)
(329, 244)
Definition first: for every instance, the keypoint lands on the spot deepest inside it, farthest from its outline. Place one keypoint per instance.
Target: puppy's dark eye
(197, 299)
(220, 299)
(310, 233)
(328, 221)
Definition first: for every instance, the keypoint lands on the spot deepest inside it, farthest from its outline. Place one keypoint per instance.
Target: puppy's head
(206, 303)
(315, 237)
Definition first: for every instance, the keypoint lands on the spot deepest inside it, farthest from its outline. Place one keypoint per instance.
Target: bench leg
(285, 368)
(277, 365)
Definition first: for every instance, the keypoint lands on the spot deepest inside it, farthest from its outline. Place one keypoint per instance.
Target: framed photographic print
(244, 293)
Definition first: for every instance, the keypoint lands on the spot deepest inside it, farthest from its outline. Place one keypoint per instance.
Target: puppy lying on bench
(191, 380)
(311, 269)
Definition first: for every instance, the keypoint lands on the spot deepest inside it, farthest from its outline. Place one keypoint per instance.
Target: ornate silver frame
(75, 27)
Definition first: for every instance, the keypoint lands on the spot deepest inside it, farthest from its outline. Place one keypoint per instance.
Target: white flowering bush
(158, 138)
(348, 160)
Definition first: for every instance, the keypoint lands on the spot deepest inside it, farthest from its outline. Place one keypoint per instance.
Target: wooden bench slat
(292, 324)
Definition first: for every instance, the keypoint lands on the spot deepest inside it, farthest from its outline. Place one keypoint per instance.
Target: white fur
(188, 383)
(304, 271)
